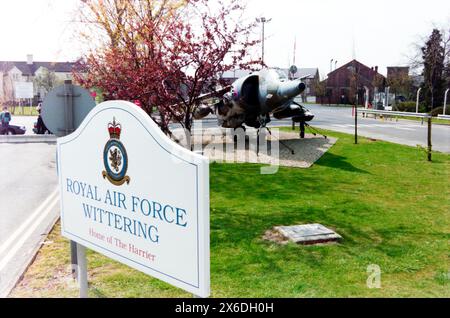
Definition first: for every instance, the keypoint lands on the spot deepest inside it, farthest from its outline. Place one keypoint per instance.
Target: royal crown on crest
(114, 129)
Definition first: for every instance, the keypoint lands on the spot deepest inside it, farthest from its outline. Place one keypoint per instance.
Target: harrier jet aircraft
(252, 99)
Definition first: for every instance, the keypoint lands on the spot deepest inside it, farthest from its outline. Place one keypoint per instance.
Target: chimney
(376, 69)
(30, 59)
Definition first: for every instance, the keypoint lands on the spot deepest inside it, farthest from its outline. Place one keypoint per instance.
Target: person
(5, 118)
(40, 126)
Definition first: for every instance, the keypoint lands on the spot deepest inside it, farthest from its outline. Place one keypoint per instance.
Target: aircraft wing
(217, 93)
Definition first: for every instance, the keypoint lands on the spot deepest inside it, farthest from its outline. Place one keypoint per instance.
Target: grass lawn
(27, 111)
(391, 206)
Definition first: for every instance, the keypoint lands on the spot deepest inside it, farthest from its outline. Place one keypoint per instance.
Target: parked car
(14, 130)
(400, 98)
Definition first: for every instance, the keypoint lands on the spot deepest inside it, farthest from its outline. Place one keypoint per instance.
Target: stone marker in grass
(308, 234)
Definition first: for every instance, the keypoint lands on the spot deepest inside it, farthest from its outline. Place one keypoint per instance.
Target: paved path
(29, 206)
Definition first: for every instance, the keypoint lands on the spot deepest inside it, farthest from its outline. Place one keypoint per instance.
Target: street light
(445, 99)
(263, 20)
(417, 100)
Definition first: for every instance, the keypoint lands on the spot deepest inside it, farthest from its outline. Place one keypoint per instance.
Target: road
(28, 206)
(27, 121)
(406, 132)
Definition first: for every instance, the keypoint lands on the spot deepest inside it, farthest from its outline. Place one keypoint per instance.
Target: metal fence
(393, 113)
(428, 117)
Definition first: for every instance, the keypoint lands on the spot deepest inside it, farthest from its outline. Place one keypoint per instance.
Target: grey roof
(301, 73)
(308, 72)
(236, 73)
(30, 69)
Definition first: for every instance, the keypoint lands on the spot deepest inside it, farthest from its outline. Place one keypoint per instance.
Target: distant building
(309, 76)
(230, 76)
(354, 77)
(27, 71)
(397, 71)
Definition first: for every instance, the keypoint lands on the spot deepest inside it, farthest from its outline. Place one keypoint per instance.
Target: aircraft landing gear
(270, 132)
(314, 131)
(302, 129)
(235, 138)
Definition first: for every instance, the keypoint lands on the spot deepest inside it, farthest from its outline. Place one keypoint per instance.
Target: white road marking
(25, 224)
(12, 245)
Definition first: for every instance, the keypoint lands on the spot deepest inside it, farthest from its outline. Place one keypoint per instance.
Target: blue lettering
(89, 194)
(149, 210)
(127, 225)
(76, 187)
(83, 187)
(108, 198)
(117, 220)
(87, 210)
(133, 200)
(142, 230)
(165, 214)
(157, 210)
(181, 213)
(154, 238)
(69, 185)
(122, 200)
(109, 217)
(97, 198)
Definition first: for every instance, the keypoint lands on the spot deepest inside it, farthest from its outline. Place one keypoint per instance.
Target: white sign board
(23, 89)
(134, 195)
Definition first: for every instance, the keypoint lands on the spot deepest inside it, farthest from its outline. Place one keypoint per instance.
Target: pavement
(28, 208)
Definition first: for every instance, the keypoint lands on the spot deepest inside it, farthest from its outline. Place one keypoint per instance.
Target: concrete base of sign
(308, 234)
(216, 147)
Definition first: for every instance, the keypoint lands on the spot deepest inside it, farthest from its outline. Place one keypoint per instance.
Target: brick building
(354, 77)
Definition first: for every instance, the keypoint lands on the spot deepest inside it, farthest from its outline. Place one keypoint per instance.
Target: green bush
(410, 107)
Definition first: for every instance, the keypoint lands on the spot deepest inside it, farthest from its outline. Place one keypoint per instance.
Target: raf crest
(115, 157)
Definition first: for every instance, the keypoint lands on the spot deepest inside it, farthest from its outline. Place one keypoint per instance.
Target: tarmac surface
(29, 205)
(405, 132)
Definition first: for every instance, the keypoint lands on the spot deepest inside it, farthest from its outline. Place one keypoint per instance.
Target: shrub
(410, 107)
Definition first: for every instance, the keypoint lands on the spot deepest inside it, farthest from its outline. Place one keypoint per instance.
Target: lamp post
(417, 100)
(445, 99)
(263, 20)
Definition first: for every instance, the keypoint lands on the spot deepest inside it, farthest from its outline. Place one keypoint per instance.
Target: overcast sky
(375, 32)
